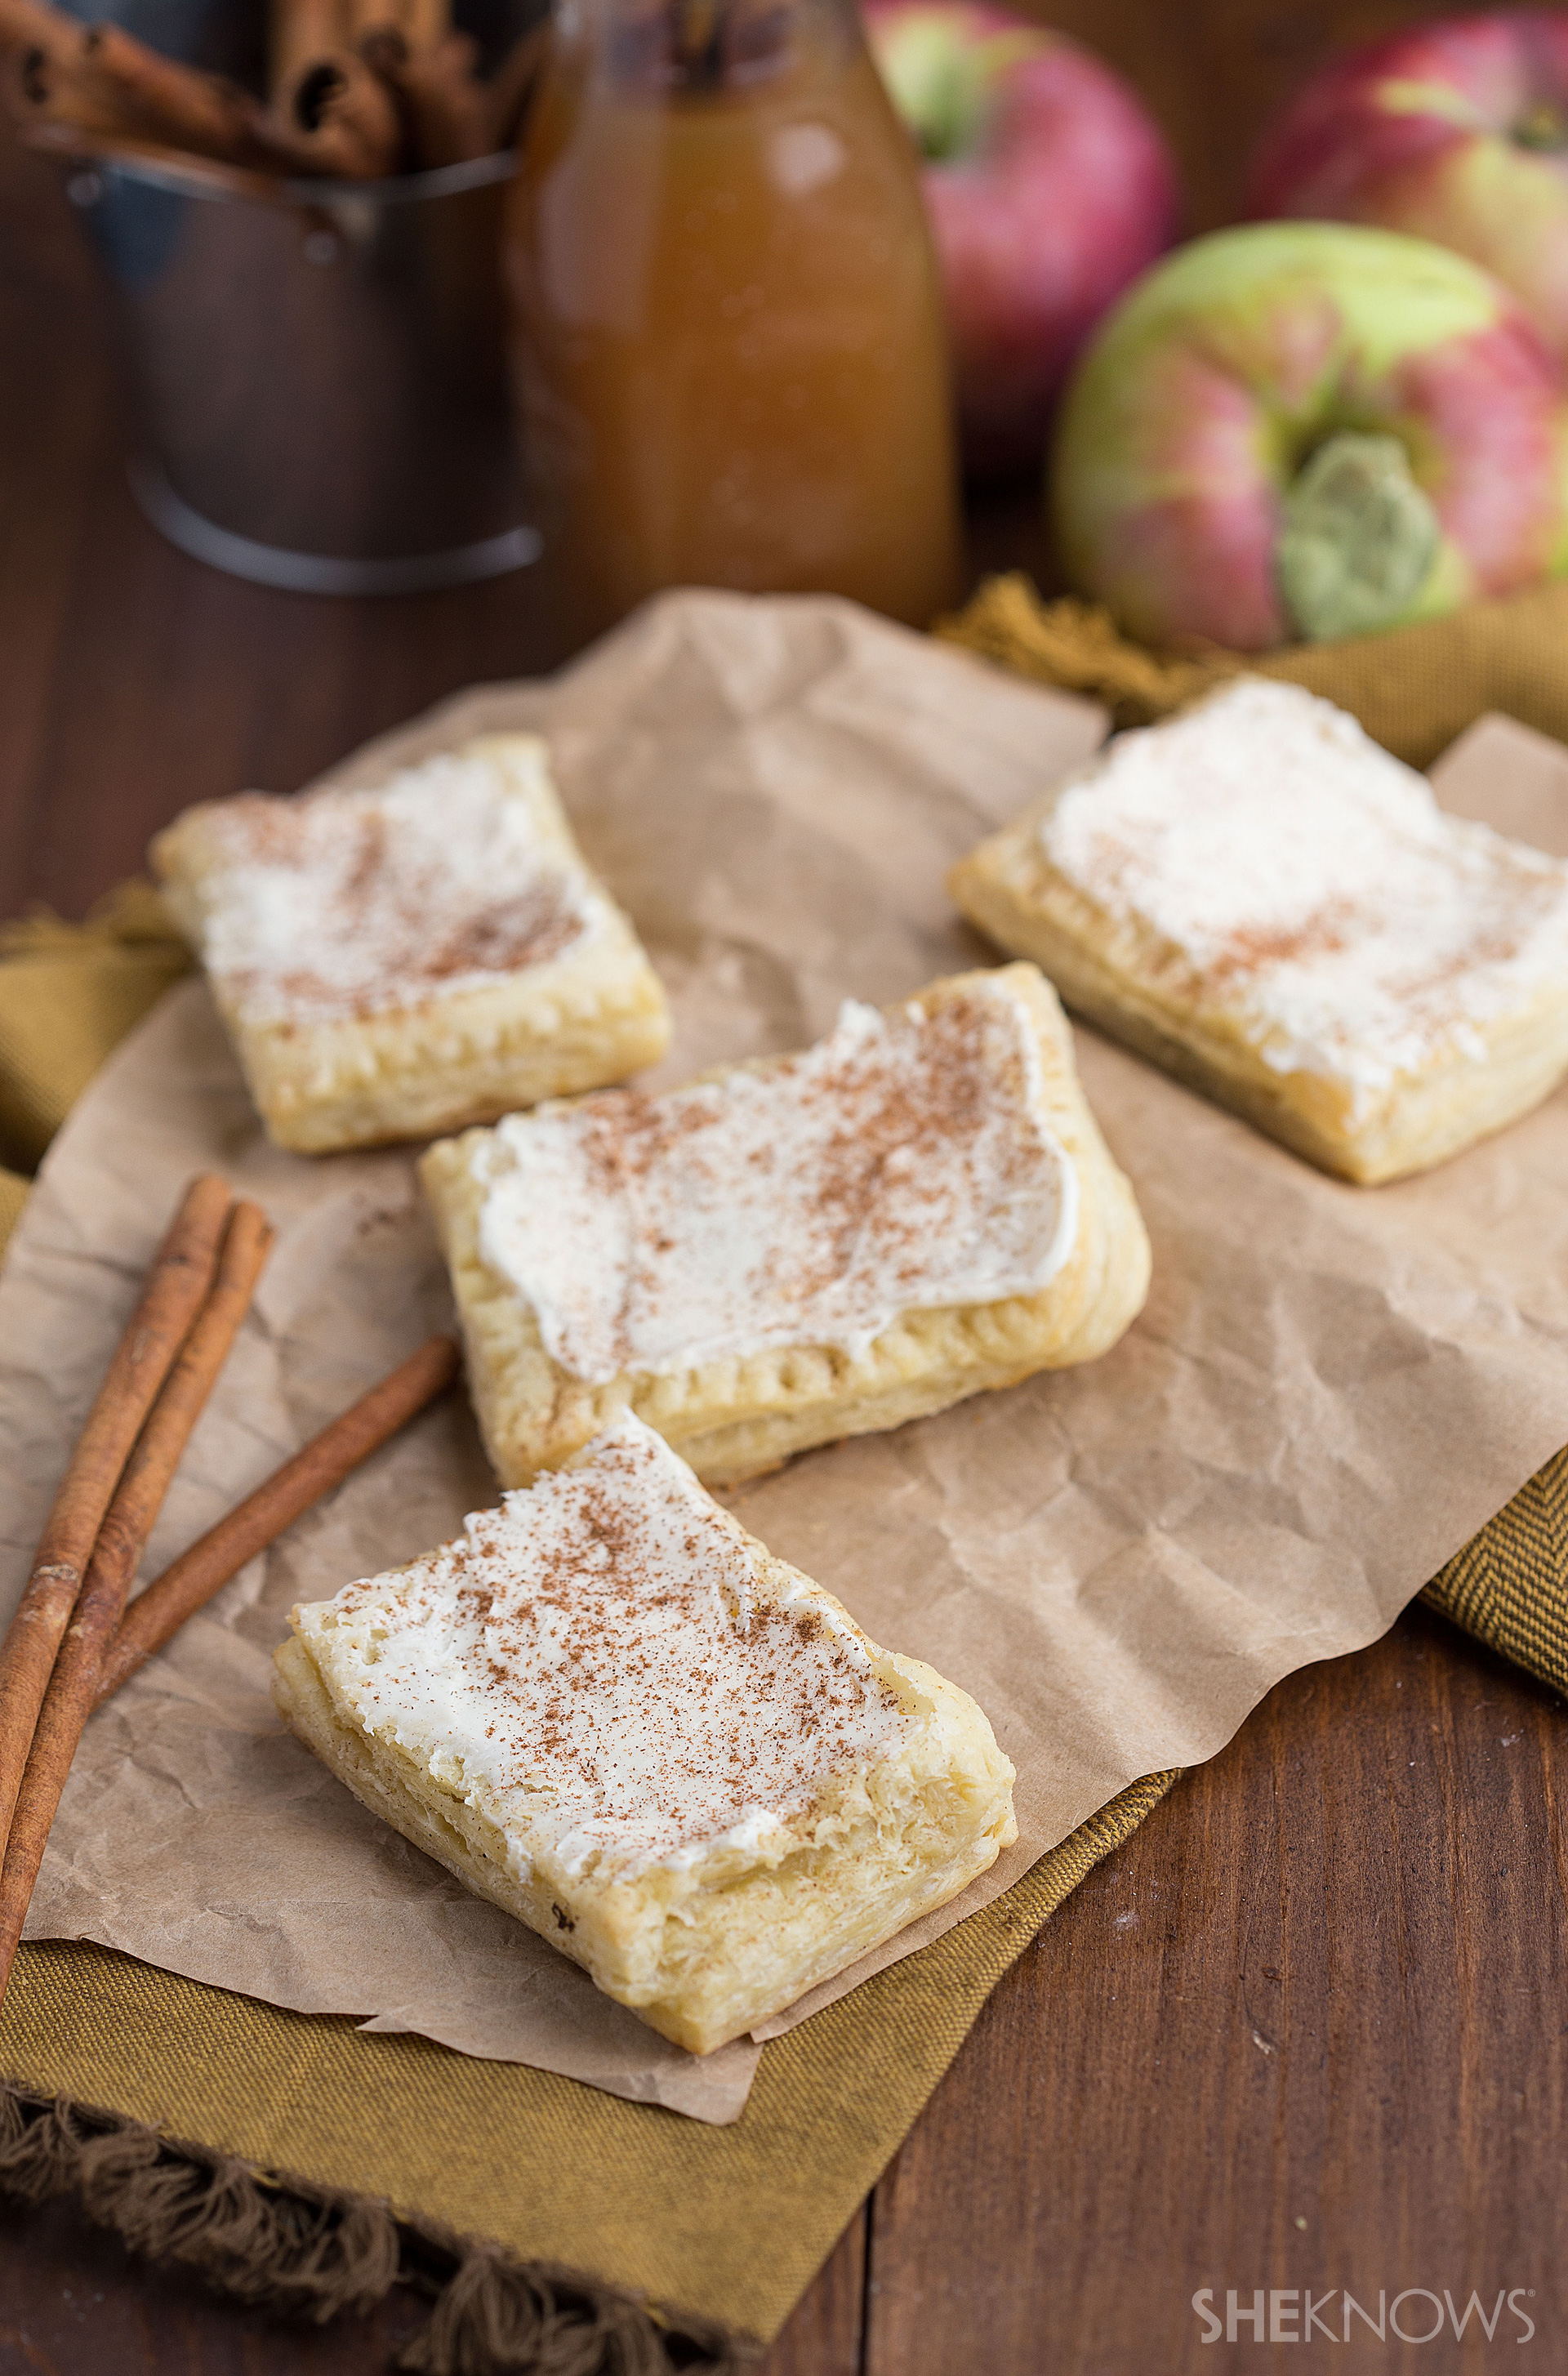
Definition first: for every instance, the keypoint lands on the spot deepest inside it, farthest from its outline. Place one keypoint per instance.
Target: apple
(1308, 429)
(1455, 131)
(1049, 188)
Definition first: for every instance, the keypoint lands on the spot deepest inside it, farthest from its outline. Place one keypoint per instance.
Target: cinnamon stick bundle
(105, 80)
(360, 90)
(342, 90)
(176, 1286)
(130, 1517)
(157, 1614)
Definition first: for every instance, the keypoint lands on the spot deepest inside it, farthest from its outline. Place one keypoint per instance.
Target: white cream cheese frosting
(1309, 888)
(905, 1162)
(354, 903)
(592, 1666)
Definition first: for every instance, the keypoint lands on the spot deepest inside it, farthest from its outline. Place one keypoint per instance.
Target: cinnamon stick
(176, 1286)
(157, 1613)
(302, 32)
(121, 1539)
(443, 109)
(426, 23)
(29, 24)
(104, 80)
(365, 17)
(341, 121)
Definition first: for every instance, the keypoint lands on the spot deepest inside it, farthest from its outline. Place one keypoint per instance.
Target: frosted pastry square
(1259, 897)
(399, 961)
(609, 1710)
(795, 1249)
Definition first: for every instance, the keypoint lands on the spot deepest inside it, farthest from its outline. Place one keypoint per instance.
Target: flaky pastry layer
(1116, 976)
(703, 1946)
(461, 1055)
(737, 1418)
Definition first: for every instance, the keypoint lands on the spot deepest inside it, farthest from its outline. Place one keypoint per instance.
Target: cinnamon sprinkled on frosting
(906, 1162)
(595, 1663)
(1308, 888)
(350, 903)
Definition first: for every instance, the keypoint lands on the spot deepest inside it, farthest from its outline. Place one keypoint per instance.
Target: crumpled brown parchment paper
(1330, 1390)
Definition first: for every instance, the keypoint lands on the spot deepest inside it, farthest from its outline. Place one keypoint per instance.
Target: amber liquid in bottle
(728, 334)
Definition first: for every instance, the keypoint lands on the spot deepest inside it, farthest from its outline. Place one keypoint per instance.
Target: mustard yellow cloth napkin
(1414, 689)
(69, 994)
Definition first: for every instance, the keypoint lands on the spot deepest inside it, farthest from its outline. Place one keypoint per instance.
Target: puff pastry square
(1257, 896)
(400, 961)
(609, 1710)
(796, 1249)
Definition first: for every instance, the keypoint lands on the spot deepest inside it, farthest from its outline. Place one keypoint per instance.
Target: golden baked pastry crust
(458, 1055)
(735, 1418)
(1117, 978)
(706, 1943)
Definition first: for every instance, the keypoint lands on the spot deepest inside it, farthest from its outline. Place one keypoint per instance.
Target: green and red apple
(1455, 131)
(1050, 189)
(1308, 429)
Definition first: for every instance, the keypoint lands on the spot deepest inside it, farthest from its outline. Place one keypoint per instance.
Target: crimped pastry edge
(731, 1419)
(705, 1953)
(1008, 888)
(459, 1057)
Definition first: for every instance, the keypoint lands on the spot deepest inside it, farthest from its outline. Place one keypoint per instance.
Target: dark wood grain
(1307, 2027)
(134, 679)
(827, 2335)
(72, 2299)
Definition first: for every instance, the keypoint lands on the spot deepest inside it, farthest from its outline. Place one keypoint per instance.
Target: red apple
(1455, 131)
(1050, 189)
(1308, 429)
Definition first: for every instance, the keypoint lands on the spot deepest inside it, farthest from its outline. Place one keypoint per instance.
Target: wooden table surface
(1307, 2030)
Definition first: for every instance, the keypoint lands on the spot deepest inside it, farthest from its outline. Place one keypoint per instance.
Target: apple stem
(1359, 539)
(1543, 129)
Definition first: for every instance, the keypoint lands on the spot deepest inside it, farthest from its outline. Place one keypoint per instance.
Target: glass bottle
(728, 336)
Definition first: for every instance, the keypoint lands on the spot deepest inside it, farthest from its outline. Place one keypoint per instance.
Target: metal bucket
(318, 375)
